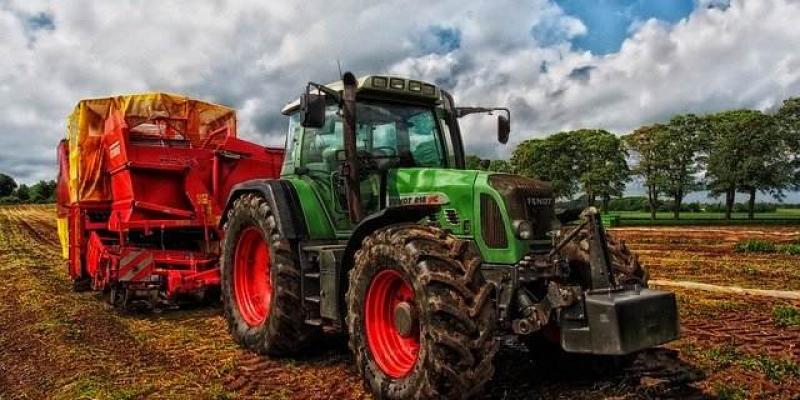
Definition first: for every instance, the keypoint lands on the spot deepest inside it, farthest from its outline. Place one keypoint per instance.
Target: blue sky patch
(439, 40)
(40, 21)
(608, 22)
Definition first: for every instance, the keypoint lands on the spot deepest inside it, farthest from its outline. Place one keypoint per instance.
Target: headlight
(523, 229)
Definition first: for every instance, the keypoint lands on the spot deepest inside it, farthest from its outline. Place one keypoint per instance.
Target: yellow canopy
(85, 128)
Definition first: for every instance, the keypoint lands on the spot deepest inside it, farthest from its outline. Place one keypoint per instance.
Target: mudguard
(282, 199)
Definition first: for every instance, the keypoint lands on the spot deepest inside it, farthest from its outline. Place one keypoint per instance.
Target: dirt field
(59, 344)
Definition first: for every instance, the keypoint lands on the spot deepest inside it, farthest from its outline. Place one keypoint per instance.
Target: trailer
(143, 181)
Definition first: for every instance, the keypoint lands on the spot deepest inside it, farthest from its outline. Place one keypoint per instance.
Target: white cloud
(744, 56)
(256, 56)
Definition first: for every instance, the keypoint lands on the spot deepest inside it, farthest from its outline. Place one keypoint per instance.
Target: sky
(557, 64)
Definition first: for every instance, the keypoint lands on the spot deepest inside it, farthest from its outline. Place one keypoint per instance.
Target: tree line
(12, 193)
(730, 152)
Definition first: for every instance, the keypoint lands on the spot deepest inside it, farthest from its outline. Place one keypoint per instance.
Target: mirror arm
(463, 111)
(324, 89)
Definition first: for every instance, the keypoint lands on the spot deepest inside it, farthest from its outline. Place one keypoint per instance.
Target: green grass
(785, 316)
(773, 368)
(638, 218)
(728, 392)
(766, 246)
(755, 246)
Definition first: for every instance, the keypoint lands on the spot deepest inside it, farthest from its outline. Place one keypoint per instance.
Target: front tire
(261, 282)
(421, 318)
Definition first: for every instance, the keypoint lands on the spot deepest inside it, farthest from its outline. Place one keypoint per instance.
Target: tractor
(374, 228)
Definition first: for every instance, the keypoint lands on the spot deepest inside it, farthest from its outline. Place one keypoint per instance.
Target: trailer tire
(275, 325)
(83, 284)
(452, 309)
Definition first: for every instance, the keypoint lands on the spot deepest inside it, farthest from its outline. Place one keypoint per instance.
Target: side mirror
(312, 109)
(503, 129)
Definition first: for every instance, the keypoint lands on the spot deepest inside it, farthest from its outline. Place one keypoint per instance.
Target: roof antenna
(338, 64)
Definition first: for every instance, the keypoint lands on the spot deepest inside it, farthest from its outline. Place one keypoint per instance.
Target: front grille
(451, 216)
(527, 199)
(492, 228)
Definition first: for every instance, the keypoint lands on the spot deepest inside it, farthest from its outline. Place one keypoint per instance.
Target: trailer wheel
(82, 284)
(421, 318)
(261, 282)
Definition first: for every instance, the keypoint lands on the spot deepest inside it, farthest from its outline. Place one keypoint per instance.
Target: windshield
(407, 134)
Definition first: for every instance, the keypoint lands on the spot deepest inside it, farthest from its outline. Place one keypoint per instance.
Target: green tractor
(375, 229)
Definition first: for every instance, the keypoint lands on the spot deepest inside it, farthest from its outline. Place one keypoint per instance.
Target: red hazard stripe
(133, 264)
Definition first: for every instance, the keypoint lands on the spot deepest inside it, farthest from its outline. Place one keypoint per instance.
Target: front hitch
(601, 317)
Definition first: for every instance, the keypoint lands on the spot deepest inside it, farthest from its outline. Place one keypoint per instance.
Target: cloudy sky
(558, 64)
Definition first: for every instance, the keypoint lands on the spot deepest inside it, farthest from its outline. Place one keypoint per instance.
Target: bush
(9, 200)
(628, 204)
(742, 207)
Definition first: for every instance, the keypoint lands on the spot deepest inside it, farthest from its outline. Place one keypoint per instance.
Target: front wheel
(421, 318)
(261, 282)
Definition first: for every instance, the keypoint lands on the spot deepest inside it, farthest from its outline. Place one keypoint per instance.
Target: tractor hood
(480, 205)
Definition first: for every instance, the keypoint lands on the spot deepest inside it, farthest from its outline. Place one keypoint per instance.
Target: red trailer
(143, 179)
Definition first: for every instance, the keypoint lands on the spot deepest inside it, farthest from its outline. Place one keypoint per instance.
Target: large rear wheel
(261, 282)
(421, 318)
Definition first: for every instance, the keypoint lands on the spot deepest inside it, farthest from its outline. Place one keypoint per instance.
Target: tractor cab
(399, 124)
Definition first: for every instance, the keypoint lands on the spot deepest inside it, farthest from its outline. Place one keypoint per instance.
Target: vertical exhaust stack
(350, 168)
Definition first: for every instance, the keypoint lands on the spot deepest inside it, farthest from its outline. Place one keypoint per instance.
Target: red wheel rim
(394, 352)
(251, 279)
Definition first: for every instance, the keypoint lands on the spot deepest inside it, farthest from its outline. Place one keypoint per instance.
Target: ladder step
(314, 322)
(312, 275)
(313, 299)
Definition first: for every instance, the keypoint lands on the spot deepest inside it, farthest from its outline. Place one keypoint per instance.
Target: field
(58, 344)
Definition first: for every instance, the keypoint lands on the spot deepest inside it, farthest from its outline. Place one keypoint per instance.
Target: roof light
(414, 86)
(379, 81)
(397, 83)
(428, 90)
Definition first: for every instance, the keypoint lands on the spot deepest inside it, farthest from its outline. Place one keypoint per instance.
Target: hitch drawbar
(618, 323)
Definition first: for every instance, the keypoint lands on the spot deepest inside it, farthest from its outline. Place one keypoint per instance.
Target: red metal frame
(160, 228)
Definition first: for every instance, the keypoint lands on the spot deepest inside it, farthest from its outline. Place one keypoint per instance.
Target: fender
(282, 199)
(387, 216)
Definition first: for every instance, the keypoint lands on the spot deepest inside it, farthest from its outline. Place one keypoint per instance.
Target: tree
(603, 170)
(500, 166)
(787, 120)
(728, 153)
(43, 191)
(650, 161)
(23, 193)
(589, 160)
(7, 185)
(766, 165)
(551, 159)
(680, 144)
(472, 162)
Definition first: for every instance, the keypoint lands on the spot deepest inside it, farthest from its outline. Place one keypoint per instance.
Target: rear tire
(438, 277)
(272, 324)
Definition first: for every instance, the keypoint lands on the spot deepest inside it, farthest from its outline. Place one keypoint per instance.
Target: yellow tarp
(63, 236)
(85, 127)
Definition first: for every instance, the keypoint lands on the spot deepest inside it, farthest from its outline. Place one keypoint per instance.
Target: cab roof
(383, 85)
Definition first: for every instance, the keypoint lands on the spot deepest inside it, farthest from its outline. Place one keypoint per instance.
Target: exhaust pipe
(350, 168)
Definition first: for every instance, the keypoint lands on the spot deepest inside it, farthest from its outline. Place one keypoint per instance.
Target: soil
(55, 343)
